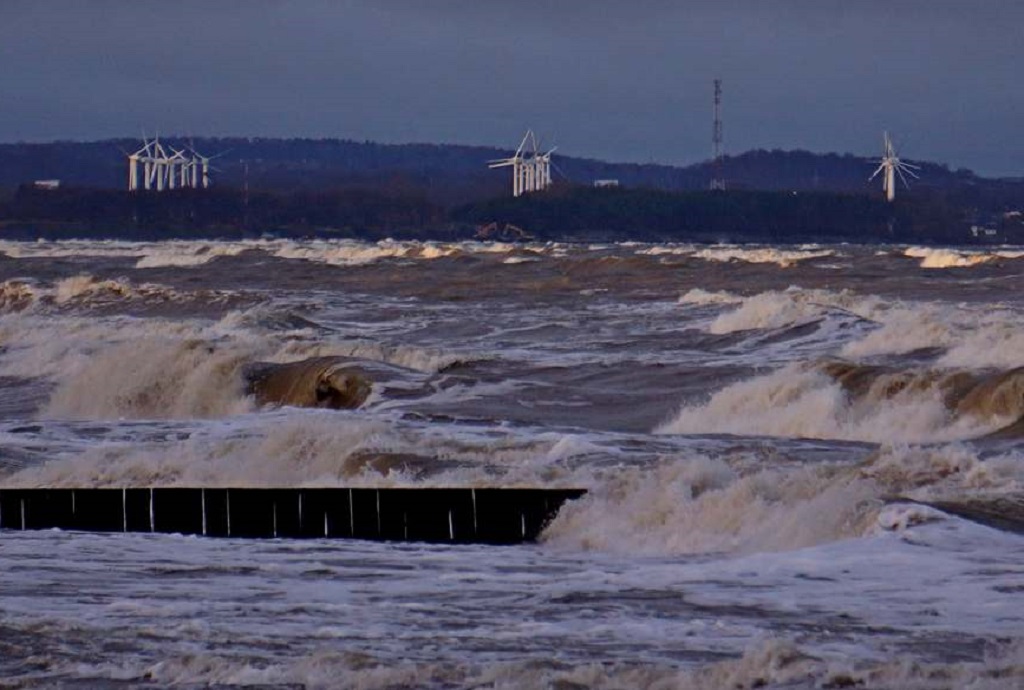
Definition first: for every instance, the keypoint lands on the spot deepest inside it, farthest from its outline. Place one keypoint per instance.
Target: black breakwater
(490, 515)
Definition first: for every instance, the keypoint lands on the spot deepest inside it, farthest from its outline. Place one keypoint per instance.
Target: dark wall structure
(492, 516)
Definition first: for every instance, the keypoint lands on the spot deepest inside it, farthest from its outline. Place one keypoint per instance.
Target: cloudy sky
(624, 81)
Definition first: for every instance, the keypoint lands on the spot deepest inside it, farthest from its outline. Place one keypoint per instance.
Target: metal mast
(717, 179)
(890, 167)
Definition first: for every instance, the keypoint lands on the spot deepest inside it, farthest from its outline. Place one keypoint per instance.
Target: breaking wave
(124, 367)
(705, 505)
(184, 253)
(957, 258)
(765, 255)
(755, 255)
(771, 663)
(189, 253)
(148, 254)
(782, 308)
(969, 336)
(846, 401)
(288, 447)
(154, 378)
(358, 253)
(312, 449)
(84, 291)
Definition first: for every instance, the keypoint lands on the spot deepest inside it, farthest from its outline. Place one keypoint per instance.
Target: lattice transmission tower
(717, 177)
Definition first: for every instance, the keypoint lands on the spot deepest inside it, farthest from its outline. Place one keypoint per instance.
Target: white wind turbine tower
(157, 165)
(516, 161)
(181, 168)
(890, 166)
(542, 165)
(141, 156)
(177, 169)
(529, 174)
(200, 162)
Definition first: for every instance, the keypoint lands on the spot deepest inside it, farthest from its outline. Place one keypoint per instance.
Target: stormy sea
(804, 465)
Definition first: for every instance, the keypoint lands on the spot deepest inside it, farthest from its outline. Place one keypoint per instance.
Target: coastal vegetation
(336, 188)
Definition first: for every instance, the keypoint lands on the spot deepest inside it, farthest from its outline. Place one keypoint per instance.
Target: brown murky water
(793, 456)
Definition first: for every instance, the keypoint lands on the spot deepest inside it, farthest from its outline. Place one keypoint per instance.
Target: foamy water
(803, 470)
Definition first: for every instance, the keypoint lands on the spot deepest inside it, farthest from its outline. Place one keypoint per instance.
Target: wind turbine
(529, 173)
(543, 163)
(142, 155)
(890, 166)
(177, 169)
(156, 165)
(516, 161)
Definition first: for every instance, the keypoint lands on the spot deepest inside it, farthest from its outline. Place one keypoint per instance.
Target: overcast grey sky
(625, 81)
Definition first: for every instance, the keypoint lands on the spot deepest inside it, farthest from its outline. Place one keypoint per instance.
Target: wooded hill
(563, 212)
(305, 187)
(451, 175)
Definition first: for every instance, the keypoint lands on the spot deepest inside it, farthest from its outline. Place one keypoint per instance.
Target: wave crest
(847, 401)
(702, 505)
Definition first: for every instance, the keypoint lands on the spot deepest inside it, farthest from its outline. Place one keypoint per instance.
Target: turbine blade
(875, 174)
(909, 169)
(522, 144)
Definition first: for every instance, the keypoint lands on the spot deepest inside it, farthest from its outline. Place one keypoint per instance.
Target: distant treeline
(221, 212)
(454, 175)
(562, 213)
(726, 216)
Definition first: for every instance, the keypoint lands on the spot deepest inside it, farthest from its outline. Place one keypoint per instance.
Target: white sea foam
(154, 378)
(933, 472)
(302, 447)
(121, 367)
(998, 341)
(702, 297)
(770, 255)
(903, 329)
(932, 257)
(85, 291)
(663, 249)
(423, 359)
(800, 402)
(947, 258)
(16, 295)
(182, 253)
(188, 253)
(753, 255)
(703, 506)
(71, 248)
(355, 253)
(770, 663)
(973, 337)
(278, 449)
(777, 309)
(148, 254)
(982, 336)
